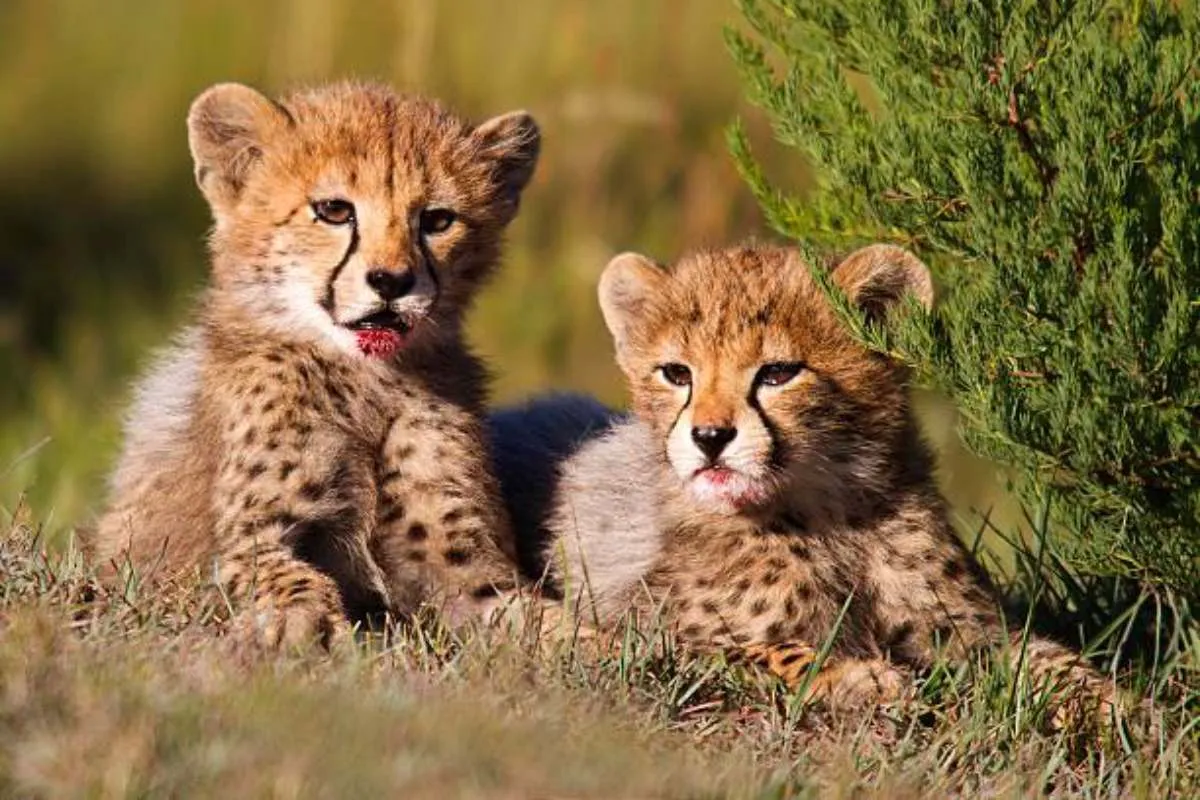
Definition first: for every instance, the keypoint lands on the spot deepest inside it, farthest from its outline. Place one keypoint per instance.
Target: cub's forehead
(758, 294)
(372, 123)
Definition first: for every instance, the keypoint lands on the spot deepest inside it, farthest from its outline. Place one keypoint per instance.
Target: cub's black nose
(712, 440)
(391, 285)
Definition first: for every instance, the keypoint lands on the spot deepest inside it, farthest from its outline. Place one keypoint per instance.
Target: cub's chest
(752, 585)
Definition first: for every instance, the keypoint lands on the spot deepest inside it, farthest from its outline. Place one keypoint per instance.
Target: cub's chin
(729, 491)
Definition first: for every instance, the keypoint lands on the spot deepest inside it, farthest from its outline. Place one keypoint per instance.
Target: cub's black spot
(255, 469)
(803, 593)
(297, 590)
(800, 551)
(743, 584)
(456, 556)
(286, 469)
(710, 607)
(311, 490)
(777, 564)
(336, 394)
(758, 607)
(417, 533)
(953, 569)
(250, 438)
(774, 632)
(692, 631)
(268, 407)
(792, 657)
(393, 513)
(485, 591)
(899, 638)
(452, 516)
(416, 556)
(769, 578)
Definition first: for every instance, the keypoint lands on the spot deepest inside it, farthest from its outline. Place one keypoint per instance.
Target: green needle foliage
(1044, 158)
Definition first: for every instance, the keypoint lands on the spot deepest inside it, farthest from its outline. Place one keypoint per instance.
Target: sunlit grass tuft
(125, 691)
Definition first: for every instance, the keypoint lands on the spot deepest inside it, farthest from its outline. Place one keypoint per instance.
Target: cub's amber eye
(436, 220)
(334, 212)
(778, 373)
(676, 374)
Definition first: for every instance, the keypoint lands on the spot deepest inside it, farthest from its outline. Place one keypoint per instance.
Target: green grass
(119, 692)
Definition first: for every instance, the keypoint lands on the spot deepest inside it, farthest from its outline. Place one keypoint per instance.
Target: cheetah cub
(770, 478)
(317, 434)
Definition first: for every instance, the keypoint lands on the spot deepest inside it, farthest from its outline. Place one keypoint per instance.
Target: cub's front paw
(855, 683)
(1089, 706)
(296, 614)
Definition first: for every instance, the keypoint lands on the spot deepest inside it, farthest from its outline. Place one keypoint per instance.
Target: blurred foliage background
(101, 227)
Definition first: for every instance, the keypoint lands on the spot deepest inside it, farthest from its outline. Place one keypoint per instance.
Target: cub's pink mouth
(724, 486)
(381, 334)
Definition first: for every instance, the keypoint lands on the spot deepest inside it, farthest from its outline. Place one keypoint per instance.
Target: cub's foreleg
(442, 535)
(291, 504)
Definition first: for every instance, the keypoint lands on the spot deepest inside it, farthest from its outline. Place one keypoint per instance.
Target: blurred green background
(101, 238)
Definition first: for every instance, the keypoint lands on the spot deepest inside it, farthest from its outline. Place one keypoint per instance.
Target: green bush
(1044, 158)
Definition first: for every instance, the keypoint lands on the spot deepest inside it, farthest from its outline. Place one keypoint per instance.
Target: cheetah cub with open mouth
(317, 435)
(771, 476)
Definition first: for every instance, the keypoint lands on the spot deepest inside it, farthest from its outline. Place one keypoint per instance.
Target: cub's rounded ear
(513, 141)
(228, 126)
(877, 277)
(626, 286)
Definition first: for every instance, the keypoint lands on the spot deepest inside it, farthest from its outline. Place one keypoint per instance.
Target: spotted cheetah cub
(317, 434)
(770, 478)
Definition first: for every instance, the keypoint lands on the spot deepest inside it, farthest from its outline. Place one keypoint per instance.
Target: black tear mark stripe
(327, 302)
(777, 455)
(679, 413)
(429, 265)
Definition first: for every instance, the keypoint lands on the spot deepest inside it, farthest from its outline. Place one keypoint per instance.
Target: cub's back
(530, 444)
(163, 475)
(580, 482)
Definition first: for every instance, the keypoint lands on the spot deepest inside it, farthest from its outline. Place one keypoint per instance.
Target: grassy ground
(120, 693)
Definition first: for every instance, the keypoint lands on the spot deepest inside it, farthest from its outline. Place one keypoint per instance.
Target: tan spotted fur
(320, 483)
(824, 500)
